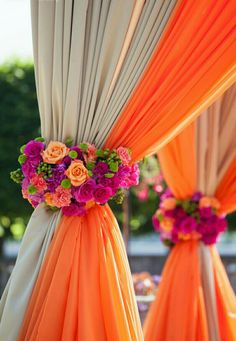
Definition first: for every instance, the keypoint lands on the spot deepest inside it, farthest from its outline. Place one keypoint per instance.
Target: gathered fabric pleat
(84, 290)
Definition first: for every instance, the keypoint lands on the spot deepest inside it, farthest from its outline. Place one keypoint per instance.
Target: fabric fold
(84, 288)
(37, 238)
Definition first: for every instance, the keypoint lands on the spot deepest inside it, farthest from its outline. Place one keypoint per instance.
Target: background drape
(211, 144)
(81, 50)
(88, 60)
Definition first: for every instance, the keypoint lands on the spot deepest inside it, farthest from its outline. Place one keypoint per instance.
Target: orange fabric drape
(226, 190)
(192, 66)
(67, 304)
(178, 162)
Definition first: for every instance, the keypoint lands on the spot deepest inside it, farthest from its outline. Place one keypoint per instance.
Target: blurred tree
(19, 122)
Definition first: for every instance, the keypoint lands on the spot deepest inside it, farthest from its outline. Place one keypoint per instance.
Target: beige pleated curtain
(88, 57)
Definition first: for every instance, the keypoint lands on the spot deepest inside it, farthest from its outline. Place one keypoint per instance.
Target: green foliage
(19, 122)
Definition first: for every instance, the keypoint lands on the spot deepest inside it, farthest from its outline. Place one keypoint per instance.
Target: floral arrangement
(73, 178)
(195, 218)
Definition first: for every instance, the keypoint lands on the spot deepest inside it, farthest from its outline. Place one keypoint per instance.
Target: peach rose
(61, 197)
(55, 152)
(124, 155)
(166, 224)
(77, 173)
(169, 204)
(209, 202)
(91, 155)
(48, 197)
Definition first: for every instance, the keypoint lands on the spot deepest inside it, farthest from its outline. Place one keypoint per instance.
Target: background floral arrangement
(73, 178)
(198, 217)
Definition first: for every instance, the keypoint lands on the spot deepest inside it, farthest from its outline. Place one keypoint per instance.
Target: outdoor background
(19, 122)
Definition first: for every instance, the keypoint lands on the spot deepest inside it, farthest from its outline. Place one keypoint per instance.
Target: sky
(15, 29)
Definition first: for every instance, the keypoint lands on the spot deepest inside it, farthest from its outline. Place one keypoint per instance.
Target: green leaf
(31, 189)
(90, 165)
(100, 153)
(90, 173)
(40, 139)
(83, 146)
(109, 175)
(22, 148)
(160, 217)
(73, 154)
(21, 159)
(66, 183)
(113, 166)
(69, 141)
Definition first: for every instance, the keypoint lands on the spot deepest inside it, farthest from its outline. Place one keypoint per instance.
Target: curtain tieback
(197, 217)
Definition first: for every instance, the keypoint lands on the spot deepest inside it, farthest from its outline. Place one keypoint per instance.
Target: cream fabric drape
(216, 149)
(89, 55)
(31, 254)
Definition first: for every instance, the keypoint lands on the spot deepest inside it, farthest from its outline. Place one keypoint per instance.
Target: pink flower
(91, 155)
(73, 210)
(102, 194)
(188, 225)
(62, 197)
(124, 155)
(39, 183)
(85, 192)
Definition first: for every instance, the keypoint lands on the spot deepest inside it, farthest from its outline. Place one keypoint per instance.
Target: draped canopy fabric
(89, 59)
(210, 147)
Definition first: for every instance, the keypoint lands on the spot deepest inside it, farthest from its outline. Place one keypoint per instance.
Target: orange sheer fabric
(178, 161)
(66, 304)
(178, 313)
(192, 66)
(226, 190)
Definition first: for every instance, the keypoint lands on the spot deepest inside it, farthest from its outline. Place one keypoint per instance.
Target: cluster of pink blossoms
(73, 178)
(198, 217)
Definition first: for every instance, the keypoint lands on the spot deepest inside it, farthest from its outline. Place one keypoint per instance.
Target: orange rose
(166, 224)
(55, 152)
(209, 202)
(77, 173)
(48, 197)
(169, 204)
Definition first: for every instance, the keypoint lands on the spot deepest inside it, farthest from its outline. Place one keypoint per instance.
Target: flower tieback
(73, 178)
(194, 218)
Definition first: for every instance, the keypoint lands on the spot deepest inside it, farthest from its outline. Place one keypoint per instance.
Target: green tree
(19, 122)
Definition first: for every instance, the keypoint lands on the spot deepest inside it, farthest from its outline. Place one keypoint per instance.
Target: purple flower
(58, 174)
(74, 210)
(85, 192)
(196, 196)
(222, 224)
(102, 194)
(100, 169)
(67, 161)
(33, 150)
(188, 225)
(28, 169)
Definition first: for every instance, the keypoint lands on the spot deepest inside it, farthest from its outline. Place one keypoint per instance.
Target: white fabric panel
(36, 241)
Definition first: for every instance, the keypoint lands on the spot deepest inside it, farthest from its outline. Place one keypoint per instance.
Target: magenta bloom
(133, 178)
(74, 210)
(155, 223)
(102, 194)
(33, 150)
(166, 194)
(36, 199)
(28, 169)
(100, 169)
(188, 225)
(205, 212)
(79, 152)
(85, 192)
